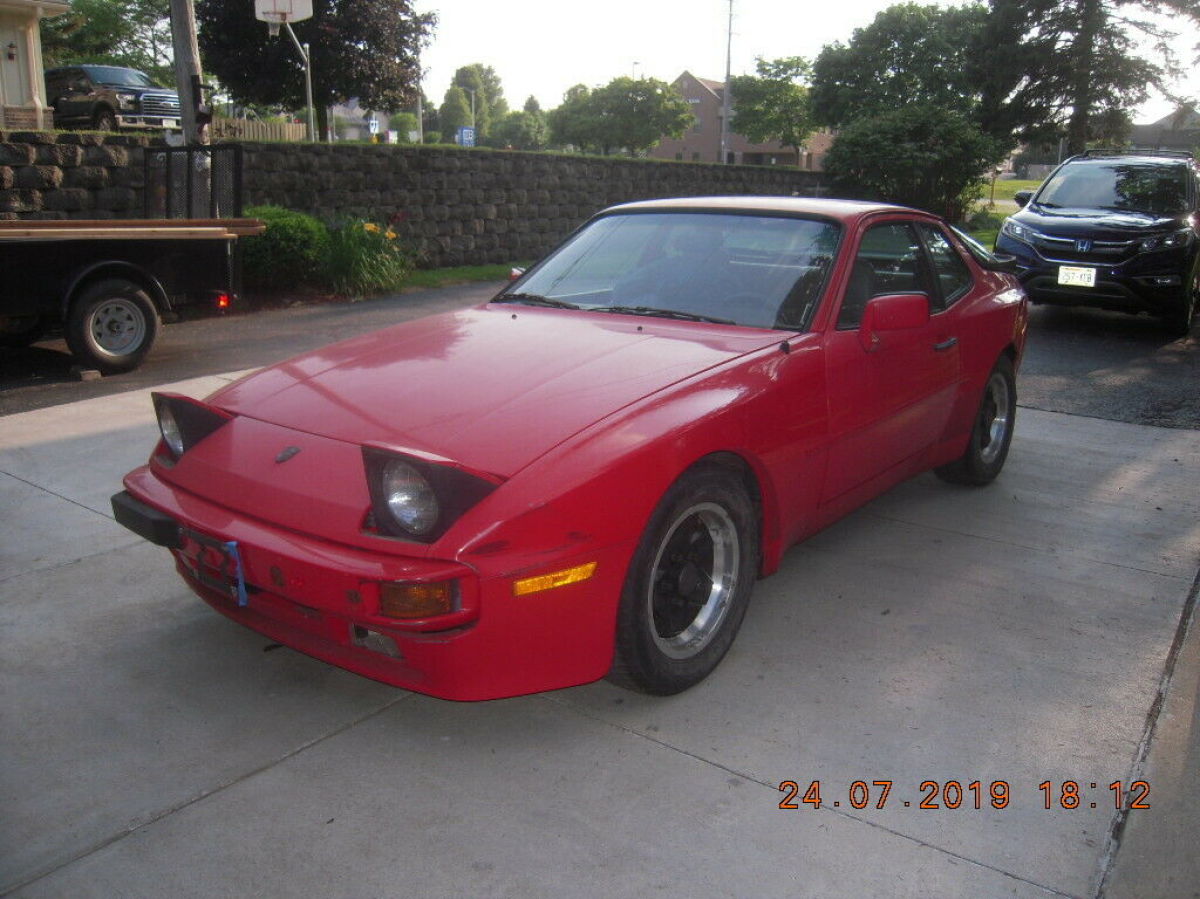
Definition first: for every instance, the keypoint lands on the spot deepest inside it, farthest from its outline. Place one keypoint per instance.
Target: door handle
(945, 344)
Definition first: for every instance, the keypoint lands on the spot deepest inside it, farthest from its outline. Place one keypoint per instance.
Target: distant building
(22, 88)
(702, 142)
(1178, 131)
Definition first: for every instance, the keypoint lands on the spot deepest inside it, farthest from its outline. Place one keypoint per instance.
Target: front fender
(599, 488)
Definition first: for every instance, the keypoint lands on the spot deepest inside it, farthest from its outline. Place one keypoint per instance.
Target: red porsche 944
(585, 476)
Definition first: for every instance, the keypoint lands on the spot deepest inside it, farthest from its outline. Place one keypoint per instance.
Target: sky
(543, 47)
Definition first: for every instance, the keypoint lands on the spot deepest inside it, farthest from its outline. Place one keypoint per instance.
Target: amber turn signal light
(554, 579)
(403, 600)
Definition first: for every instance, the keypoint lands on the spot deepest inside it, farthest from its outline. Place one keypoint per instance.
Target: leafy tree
(625, 113)
(522, 130)
(490, 105)
(774, 106)
(575, 122)
(132, 33)
(403, 123)
(908, 54)
(367, 49)
(919, 155)
(455, 111)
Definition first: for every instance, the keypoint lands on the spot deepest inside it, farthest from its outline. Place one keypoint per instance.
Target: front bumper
(1149, 282)
(323, 599)
(149, 122)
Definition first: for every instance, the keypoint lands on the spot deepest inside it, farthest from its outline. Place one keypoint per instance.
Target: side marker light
(541, 582)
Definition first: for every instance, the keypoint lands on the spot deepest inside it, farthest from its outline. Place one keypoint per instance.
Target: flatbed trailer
(109, 283)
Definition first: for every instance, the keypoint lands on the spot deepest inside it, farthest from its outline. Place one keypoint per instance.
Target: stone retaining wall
(455, 206)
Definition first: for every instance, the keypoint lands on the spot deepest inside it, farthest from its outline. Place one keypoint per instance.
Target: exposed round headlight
(169, 428)
(409, 497)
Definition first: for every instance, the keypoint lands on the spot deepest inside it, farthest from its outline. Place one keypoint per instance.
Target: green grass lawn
(1006, 189)
(460, 274)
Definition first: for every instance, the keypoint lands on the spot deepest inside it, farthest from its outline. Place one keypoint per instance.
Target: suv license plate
(1076, 276)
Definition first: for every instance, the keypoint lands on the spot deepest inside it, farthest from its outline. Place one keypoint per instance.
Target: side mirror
(1002, 262)
(1022, 197)
(897, 312)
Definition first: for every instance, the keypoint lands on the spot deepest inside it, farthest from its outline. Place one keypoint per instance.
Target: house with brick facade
(22, 89)
(702, 142)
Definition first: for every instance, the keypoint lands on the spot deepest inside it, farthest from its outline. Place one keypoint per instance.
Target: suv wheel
(1179, 320)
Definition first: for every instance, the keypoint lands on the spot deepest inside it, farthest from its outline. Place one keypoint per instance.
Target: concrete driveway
(1030, 632)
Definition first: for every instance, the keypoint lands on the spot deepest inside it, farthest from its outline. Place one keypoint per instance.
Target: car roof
(844, 210)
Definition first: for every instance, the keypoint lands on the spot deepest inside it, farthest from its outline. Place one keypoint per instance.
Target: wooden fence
(256, 130)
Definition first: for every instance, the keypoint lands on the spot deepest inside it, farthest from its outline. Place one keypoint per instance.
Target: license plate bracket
(217, 565)
(1076, 276)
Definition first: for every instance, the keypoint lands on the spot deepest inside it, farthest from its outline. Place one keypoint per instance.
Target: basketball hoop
(277, 13)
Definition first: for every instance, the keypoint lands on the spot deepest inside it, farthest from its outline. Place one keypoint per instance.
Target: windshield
(755, 270)
(1148, 187)
(118, 76)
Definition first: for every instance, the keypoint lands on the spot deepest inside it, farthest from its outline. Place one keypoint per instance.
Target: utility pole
(728, 89)
(188, 77)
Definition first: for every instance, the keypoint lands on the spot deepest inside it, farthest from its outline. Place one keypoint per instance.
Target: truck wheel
(104, 120)
(112, 325)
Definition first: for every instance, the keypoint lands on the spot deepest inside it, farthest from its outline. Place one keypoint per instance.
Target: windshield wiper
(534, 299)
(666, 313)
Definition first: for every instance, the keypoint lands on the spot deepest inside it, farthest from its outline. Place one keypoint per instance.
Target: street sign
(373, 125)
(466, 137)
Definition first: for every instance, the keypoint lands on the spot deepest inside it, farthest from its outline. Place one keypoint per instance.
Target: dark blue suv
(1112, 232)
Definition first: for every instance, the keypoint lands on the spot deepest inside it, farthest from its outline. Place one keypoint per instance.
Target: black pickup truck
(110, 98)
(107, 284)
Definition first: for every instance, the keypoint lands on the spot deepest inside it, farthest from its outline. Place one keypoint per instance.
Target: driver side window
(888, 261)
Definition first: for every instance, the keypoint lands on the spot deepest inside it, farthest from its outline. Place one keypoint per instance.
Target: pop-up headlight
(417, 499)
(184, 422)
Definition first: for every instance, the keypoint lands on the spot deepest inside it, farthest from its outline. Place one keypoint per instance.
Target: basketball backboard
(277, 12)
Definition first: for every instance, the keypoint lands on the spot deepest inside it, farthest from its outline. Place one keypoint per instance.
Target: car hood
(1099, 224)
(490, 388)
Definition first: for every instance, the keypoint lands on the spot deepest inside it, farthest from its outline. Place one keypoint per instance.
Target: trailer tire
(111, 325)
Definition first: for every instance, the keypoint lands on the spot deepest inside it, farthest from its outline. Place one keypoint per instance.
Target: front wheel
(1179, 320)
(104, 120)
(112, 325)
(990, 437)
(688, 585)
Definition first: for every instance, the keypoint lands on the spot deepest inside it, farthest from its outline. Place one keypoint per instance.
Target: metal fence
(193, 182)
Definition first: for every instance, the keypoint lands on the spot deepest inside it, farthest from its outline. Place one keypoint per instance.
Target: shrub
(292, 251)
(918, 156)
(365, 258)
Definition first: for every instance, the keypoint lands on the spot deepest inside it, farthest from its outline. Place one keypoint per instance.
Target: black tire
(992, 434)
(1180, 319)
(112, 325)
(104, 120)
(24, 333)
(672, 630)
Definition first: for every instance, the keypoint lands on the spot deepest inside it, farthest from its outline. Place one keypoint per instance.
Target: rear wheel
(112, 325)
(992, 433)
(688, 585)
